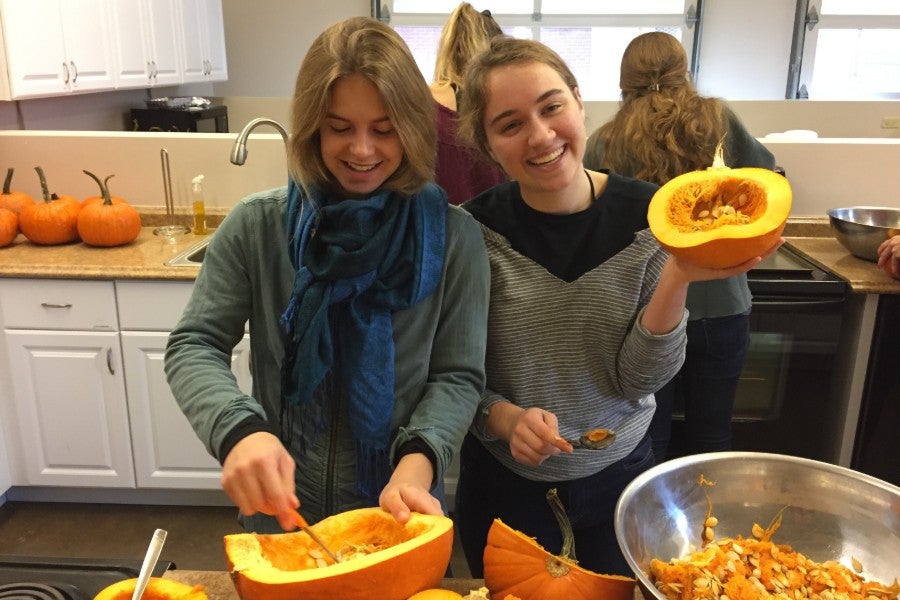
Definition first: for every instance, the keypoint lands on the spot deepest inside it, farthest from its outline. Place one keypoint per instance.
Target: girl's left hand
(407, 490)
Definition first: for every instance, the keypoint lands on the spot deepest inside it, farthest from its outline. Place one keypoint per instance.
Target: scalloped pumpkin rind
(413, 557)
(515, 564)
(687, 215)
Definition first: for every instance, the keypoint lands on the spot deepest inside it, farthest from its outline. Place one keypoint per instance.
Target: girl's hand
(258, 476)
(692, 272)
(407, 490)
(534, 437)
(889, 256)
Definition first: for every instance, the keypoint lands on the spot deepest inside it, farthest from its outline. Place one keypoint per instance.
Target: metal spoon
(594, 439)
(156, 544)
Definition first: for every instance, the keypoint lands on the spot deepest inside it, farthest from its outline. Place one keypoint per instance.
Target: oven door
(787, 400)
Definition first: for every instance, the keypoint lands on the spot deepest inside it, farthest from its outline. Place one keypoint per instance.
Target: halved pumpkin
(157, 589)
(516, 565)
(380, 558)
(720, 217)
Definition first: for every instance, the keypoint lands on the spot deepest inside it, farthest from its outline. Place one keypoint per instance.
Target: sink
(192, 257)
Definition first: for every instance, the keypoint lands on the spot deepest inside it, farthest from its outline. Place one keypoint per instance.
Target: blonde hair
(466, 33)
(663, 127)
(503, 51)
(369, 47)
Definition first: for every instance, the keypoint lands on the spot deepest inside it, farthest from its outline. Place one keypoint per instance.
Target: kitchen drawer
(152, 305)
(58, 304)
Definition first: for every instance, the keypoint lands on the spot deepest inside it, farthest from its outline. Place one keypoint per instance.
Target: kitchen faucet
(239, 150)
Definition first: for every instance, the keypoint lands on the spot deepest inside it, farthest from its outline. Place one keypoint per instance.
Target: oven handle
(796, 302)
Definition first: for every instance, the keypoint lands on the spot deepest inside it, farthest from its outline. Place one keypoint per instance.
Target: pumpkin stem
(104, 189)
(45, 191)
(568, 544)
(8, 180)
(719, 156)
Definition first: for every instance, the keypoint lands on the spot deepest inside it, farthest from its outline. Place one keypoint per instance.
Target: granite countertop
(145, 259)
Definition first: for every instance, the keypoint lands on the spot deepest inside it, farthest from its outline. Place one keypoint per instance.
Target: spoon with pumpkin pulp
(594, 439)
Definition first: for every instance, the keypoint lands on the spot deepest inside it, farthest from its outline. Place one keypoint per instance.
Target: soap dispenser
(199, 205)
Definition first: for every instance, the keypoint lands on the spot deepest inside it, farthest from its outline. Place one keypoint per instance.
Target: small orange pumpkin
(720, 217)
(516, 565)
(9, 227)
(387, 560)
(157, 589)
(14, 201)
(53, 221)
(107, 221)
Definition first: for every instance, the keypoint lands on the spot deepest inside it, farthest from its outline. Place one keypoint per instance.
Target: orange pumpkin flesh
(516, 565)
(157, 589)
(409, 558)
(689, 218)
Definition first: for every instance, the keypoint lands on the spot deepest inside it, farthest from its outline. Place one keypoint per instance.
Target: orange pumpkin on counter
(516, 565)
(14, 201)
(381, 558)
(9, 227)
(107, 221)
(52, 221)
(720, 217)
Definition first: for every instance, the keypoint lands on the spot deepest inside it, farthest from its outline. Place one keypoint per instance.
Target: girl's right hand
(258, 476)
(534, 437)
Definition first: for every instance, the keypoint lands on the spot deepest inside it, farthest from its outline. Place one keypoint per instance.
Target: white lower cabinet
(167, 452)
(84, 400)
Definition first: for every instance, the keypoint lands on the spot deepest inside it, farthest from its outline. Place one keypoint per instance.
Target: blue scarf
(363, 260)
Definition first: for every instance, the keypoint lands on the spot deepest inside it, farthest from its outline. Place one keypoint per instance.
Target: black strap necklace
(591, 182)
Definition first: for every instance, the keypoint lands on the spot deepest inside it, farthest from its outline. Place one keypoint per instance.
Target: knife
(302, 524)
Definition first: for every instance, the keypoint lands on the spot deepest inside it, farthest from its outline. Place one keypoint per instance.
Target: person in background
(586, 318)
(366, 296)
(461, 170)
(889, 256)
(664, 128)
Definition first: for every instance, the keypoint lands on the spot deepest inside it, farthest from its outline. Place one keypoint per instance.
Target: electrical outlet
(890, 122)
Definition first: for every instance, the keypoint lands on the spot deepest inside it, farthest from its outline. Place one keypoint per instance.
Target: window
(590, 35)
(850, 50)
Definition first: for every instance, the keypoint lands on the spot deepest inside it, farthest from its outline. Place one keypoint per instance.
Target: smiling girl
(586, 319)
(366, 297)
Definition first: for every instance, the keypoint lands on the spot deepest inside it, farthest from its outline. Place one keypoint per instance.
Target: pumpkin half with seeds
(380, 558)
(720, 217)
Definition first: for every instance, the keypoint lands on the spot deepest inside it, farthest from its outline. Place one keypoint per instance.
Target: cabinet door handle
(155, 69)
(54, 305)
(109, 362)
(66, 72)
(74, 70)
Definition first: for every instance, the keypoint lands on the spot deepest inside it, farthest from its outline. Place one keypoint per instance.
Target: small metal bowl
(861, 229)
(829, 512)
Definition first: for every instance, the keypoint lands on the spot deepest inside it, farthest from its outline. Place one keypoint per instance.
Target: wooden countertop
(862, 276)
(145, 259)
(219, 587)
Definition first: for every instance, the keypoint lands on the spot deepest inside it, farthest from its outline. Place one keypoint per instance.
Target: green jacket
(247, 276)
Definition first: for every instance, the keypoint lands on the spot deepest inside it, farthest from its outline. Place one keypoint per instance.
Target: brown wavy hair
(369, 47)
(663, 127)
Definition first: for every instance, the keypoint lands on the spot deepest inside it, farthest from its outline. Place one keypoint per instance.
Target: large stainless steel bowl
(861, 229)
(832, 513)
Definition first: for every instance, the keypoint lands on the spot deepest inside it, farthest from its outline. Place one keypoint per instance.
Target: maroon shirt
(461, 170)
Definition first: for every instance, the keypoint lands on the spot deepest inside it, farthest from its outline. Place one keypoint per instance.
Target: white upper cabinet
(55, 47)
(146, 42)
(203, 34)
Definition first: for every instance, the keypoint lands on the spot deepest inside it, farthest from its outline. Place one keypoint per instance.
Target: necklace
(591, 182)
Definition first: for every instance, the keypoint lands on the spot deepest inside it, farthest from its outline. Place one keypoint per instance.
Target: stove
(51, 578)
(786, 273)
